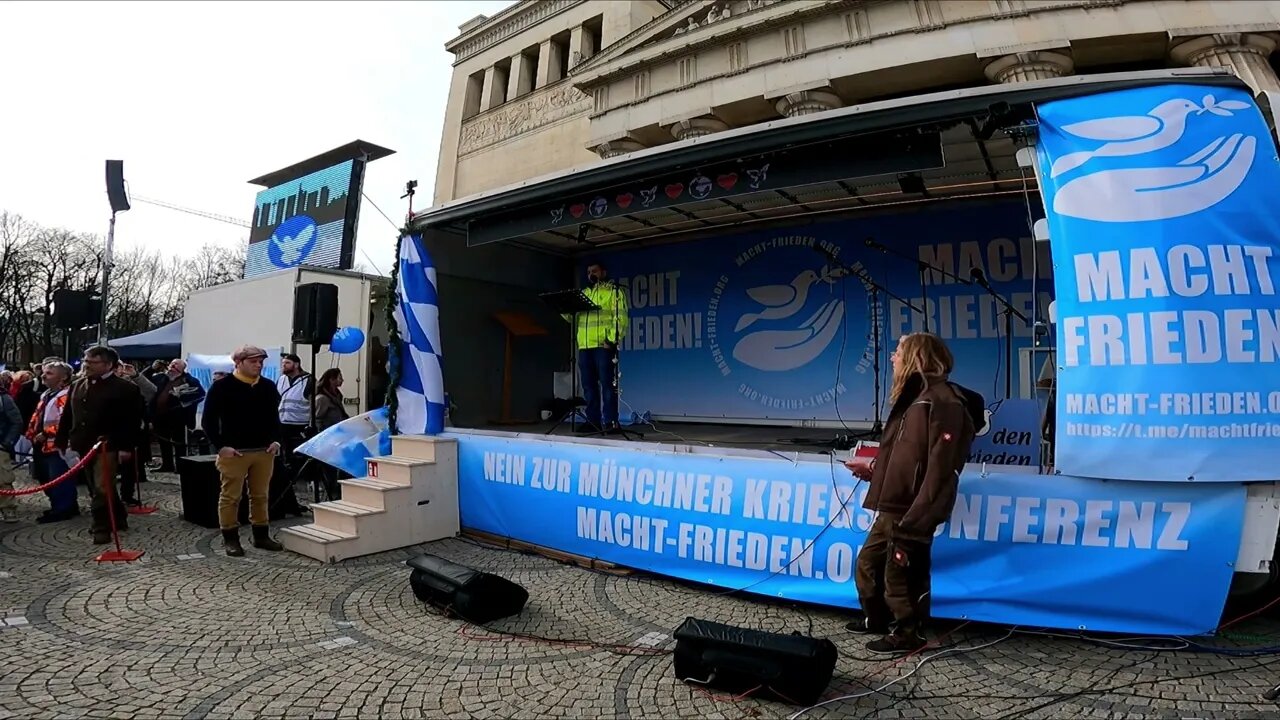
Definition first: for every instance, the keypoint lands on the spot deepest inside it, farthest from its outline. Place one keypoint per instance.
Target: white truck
(259, 311)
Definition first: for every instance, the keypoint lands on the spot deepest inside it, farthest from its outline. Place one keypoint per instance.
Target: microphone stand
(1008, 312)
(921, 267)
(617, 372)
(877, 425)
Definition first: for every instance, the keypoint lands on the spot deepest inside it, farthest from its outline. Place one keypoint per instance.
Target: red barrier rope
(89, 456)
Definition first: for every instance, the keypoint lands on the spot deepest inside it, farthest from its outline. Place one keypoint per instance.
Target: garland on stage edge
(394, 343)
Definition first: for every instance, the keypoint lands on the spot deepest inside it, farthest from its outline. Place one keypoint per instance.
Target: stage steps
(407, 498)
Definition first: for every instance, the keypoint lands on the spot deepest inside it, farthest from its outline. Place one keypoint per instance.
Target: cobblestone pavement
(189, 632)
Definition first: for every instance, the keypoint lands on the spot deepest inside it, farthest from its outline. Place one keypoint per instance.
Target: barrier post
(141, 508)
(119, 554)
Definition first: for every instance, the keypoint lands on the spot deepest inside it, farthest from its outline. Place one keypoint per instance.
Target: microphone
(873, 245)
(979, 277)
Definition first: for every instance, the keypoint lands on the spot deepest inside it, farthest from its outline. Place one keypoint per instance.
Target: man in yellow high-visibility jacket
(597, 336)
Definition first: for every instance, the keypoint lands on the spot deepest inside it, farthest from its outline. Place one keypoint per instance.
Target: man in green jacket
(597, 336)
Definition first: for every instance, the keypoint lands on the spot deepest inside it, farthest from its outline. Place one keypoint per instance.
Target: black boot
(231, 541)
(263, 541)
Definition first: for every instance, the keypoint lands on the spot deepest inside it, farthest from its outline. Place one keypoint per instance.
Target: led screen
(301, 222)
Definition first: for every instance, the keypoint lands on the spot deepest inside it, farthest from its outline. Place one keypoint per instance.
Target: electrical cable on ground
(922, 663)
(1120, 644)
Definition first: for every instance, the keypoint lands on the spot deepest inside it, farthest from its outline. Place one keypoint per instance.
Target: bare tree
(148, 289)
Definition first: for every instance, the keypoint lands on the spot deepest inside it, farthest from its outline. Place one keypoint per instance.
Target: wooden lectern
(517, 325)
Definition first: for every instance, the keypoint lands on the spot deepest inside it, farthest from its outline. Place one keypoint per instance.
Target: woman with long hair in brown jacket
(913, 482)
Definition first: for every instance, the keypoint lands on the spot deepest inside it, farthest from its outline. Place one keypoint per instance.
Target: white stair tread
(345, 508)
(314, 532)
(397, 460)
(373, 484)
(433, 439)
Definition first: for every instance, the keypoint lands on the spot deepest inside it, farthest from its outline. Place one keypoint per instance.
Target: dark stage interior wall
(759, 324)
(475, 283)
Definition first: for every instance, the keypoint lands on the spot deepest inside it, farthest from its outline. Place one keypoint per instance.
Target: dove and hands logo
(1157, 182)
(292, 241)
(790, 338)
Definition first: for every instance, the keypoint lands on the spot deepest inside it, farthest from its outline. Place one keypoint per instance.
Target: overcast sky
(197, 98)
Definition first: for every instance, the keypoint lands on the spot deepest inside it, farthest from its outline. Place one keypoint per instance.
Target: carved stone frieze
(532, 111)
(513, 20)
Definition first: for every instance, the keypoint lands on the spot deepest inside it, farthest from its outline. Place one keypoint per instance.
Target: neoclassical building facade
(550, 85)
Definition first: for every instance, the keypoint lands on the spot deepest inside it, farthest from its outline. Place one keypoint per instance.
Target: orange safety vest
(50, 430)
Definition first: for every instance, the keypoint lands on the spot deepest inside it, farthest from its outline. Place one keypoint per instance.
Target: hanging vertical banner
(1161, 204)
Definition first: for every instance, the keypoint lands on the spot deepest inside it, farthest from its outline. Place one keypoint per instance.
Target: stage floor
(747, 437)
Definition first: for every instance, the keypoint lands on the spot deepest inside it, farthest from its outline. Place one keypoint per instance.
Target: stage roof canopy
(900, 152)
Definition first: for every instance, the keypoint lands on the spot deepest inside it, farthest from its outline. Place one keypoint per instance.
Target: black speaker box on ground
(471, 595)
(201, 487)
(315, 313)
(792, 668)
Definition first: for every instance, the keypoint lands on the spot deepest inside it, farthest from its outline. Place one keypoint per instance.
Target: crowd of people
(252, 424)
(54, 416)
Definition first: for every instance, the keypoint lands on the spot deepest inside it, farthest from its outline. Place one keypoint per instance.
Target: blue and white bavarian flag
(420, 392)
(349, 444)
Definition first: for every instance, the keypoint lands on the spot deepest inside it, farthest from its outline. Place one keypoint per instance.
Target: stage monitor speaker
(459, 591)
(74, 309)
(315, 313)
(116, 194)
(792, 668)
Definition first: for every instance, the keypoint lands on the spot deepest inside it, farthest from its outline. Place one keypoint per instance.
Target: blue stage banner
(764, 326)
(1164, 231)
(1012, 435)
(1035, 550)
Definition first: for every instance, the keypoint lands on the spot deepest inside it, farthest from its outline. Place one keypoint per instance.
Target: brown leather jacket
(109, 407)
(924, 446)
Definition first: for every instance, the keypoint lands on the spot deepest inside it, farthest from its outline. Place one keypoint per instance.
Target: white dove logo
(986, 428)
(1129, 134)
(788, 349)
(781, 301)
(291, 247)
(1195, 183)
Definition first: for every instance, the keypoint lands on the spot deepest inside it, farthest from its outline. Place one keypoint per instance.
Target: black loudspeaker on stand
(74, 309)
(116, 194)
(315, 313)
(792, 668)
(461, 592)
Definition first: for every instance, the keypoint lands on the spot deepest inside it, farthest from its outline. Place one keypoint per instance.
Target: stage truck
(781, 262)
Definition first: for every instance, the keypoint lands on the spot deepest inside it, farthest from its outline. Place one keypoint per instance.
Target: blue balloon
(346, 341)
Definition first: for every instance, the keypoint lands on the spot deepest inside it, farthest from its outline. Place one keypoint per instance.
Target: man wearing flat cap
(241, 419)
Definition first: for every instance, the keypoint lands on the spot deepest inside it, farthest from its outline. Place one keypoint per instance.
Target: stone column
(620, 146)
(548, 63)
(519, 82)
(696, 127)
(1245, 54)
(581, 46)
(807, 102)
(1029, 66)
(491, 94)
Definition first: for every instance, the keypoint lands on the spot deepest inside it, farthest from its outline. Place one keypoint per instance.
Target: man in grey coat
(11, 427)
